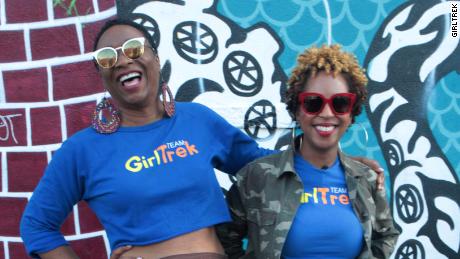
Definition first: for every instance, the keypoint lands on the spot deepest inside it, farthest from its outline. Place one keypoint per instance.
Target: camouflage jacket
(265, 199)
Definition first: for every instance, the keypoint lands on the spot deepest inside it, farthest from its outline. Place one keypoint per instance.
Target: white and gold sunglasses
(107, 57)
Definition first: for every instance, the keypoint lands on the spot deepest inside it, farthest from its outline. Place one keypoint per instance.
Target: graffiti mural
(234, 56)
(209, 59)
(410, 54)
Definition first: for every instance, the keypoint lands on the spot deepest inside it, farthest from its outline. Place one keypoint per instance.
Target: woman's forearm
(62, 252)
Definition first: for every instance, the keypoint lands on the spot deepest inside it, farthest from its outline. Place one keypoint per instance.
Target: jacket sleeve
(384, 234)
(231, 234)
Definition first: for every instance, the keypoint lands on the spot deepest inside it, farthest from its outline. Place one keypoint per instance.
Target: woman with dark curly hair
(312, 200)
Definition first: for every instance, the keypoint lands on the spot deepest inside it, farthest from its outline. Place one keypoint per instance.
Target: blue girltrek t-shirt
(325, 225)
(146, 184)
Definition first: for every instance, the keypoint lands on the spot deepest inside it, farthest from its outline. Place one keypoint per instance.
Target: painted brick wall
(48, 90)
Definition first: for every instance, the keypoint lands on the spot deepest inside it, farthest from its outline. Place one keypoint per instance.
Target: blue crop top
(146, 184)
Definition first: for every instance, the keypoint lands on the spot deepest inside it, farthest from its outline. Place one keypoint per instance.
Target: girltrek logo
(163, 154)
(326, 196)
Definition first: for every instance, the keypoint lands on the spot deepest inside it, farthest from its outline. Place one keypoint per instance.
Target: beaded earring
(170, 107)
(106, 117)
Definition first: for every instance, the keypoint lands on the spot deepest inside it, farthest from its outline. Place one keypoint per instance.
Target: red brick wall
(47, 92)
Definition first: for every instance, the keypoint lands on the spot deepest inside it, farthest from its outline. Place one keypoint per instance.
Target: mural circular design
(409, 203)
(261, 115)
(195, 42)
(394, 152)
(243, 73)
(411, 249)
(150, 24)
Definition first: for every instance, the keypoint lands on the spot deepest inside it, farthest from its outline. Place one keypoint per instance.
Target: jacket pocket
(362, 212)
(261, 228)
(262, 216)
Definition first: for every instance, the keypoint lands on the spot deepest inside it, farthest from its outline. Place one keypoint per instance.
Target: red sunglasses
(313, 103)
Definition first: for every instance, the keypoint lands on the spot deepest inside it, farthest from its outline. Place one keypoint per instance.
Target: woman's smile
(131, 80)
(325, 130)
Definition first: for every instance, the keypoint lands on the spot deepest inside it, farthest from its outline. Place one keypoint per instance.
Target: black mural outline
(239, 35)
(194, 87)
(438, 188)
(411, 249)
(152, 27)
(259, 121)
(248, 64)
(191, 52)
(126, 7)
(187, 92)
(408, 197)
(398, 100)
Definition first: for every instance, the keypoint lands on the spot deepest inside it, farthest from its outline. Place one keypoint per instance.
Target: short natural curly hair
(331, 59)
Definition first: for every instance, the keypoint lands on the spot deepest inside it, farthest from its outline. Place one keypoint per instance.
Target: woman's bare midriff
(201, 241)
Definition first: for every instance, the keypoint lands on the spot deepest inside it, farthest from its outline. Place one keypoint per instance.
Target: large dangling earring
(170, 107)
(366, 135)
(356, 136)
(106, 117)
(295, 133)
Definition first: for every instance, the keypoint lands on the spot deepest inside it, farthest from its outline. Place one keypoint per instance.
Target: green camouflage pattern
(265, 199)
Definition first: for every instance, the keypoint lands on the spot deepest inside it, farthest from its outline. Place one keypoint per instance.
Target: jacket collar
(286, 161)
(348, 163)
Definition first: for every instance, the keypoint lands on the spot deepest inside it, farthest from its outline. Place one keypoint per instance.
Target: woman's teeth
(129, 76)
(325, 128)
